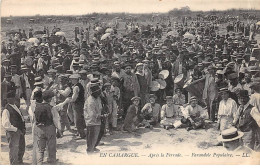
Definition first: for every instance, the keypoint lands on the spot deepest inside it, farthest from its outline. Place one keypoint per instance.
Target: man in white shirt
(13, 123)
(227, 110)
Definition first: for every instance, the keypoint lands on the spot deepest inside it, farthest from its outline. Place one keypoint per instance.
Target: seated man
(150, 112)
(194, 115)
(168, 114)
(179, 101)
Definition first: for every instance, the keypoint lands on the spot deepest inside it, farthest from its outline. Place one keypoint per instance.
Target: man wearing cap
(77, 101)
(231, 139)
(244, 121)
(14, 125)
(92, 117)
(194, 115)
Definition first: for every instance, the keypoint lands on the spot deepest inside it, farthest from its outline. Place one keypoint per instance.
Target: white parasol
(33, 40)
(105, 36)
(60, 33)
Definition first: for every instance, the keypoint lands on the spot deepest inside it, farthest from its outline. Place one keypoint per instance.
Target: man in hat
(168, 114)
(130, 87)
(77, 101)
(210, 92)
(17, 80)
(6, 86)
(27, 82)
(234, 86)
(255, 112)
(231, 139)
(84, 80)
(47, 121)
(92, 116)
(144, 87)
(63, 93)
(227, 110)
(244, 121)
(14, 125)
(5, 68)
(194, 115)
(43, 63)
(150, 112)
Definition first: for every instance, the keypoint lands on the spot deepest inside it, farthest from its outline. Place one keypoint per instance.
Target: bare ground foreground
(156, 146)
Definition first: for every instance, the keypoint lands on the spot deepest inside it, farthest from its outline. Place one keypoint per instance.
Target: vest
(43, 114)
(246, 122)
(15, 118)
(81, 96)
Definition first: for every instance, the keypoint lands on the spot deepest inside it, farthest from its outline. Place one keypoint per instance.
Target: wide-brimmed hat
(135, 98)
(224, 89)
(38, 81)
(230, 134)
(74, 76)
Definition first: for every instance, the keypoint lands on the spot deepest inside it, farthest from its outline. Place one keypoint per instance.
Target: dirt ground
(156, 146)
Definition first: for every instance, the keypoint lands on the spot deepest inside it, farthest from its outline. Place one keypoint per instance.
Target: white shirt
(6, 119)
(227, 108)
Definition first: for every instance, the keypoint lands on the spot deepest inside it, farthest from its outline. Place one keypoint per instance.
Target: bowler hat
(243, 93)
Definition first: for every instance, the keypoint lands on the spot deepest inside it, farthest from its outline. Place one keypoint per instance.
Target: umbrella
(172, 33)
(109, 30)
(98, 29)
(189, 36)
(60, 34)
(33, 40)
(105, 36)
(258, 23)
(38, 32)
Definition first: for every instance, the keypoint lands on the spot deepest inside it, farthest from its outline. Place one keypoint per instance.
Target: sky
(79, 7)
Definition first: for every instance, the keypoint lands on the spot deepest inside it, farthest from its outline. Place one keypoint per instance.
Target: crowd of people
(117, 82)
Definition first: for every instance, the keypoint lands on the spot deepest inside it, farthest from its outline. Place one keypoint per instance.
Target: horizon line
(132, 13)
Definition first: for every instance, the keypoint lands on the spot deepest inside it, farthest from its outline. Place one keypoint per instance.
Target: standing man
(47, 120)
(210, 92)
(92, 116)
(13, 123)
(77, 101)
(16, 79)
(243, 119)
(130, 88)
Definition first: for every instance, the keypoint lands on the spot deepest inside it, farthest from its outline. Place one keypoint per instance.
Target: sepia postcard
(130, 82)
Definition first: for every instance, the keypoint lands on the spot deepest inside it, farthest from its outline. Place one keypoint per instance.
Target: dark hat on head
(95, 88)
(152, 96)
(243, 93)
(135, 98)
(47, 94)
